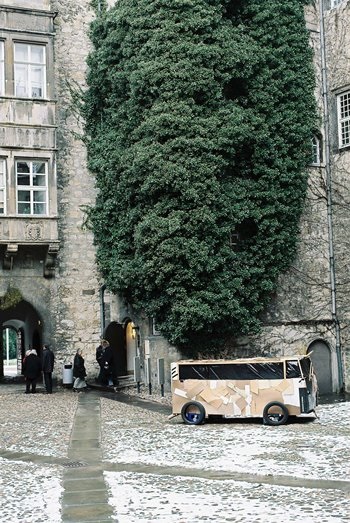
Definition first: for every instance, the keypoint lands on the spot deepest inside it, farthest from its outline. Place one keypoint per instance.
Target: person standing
(99, 354)
(79, 372)
(31, 370)
(48, 363)
(108, 371)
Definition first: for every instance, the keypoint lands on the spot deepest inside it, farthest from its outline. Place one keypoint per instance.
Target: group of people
(33, 366)
(105, 359)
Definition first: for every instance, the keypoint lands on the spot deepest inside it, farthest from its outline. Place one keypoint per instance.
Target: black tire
(193, 413)
(275, 413)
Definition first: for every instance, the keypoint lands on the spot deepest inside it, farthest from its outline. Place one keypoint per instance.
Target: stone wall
(75, 302)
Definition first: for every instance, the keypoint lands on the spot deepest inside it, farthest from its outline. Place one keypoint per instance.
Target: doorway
(115, 335)
(20, 326)
(9, 351)
(322, 361)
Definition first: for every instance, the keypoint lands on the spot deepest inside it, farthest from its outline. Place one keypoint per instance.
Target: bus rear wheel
(193, 413)
(275, 413)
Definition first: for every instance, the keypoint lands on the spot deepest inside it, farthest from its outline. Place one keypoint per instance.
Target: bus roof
(261, 359)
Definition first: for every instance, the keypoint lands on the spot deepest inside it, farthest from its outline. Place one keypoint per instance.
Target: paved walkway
(85, 494)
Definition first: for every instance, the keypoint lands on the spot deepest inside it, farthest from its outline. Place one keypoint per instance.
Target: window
(344, 119)
(31, 179)
(334, 3)
(292, 369)
(232, 371)
(315, 150)
(30, 70)
(155, 330)
(2, 187)
(2, 68)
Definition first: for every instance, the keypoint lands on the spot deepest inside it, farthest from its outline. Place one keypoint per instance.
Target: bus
(269, 388)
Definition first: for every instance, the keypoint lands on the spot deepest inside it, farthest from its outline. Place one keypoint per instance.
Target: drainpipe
(330, 199)
(102, 309)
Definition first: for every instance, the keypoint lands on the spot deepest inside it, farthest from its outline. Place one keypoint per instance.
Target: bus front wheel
(193, 413)
(275, 413)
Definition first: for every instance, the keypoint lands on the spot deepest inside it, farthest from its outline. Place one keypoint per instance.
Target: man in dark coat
(99, 353)
(48, 363)
(31, 370)
(107, 364)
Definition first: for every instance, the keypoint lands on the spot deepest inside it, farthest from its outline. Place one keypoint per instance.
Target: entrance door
(321, 360)
(115, 335)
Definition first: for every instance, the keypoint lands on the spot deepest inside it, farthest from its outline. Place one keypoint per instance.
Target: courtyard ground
(99, 456)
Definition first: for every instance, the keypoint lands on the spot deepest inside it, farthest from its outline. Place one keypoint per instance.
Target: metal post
(102, 309)
(161, 374)
(149, 374)
(137, 372)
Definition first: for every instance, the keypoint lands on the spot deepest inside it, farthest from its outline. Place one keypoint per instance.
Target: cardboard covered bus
(269, 388)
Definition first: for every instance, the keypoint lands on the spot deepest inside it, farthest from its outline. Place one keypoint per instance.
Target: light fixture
(134, 329)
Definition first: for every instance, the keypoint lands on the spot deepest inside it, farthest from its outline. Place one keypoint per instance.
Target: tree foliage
(198, 123)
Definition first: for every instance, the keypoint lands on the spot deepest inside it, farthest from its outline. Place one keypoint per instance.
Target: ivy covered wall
(199, 116)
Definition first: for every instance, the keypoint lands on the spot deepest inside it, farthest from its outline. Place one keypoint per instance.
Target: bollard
(137, 372)
(161, 374)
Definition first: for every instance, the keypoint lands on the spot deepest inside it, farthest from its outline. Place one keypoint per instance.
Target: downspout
(330, 200)
(102, 309)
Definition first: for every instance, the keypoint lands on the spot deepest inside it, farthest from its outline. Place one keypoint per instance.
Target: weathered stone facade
(66, 301)
(50, 258)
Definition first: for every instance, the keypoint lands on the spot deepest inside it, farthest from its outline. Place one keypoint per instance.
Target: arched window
(316, 150)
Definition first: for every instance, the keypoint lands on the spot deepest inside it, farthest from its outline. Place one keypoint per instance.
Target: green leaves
(198, 115)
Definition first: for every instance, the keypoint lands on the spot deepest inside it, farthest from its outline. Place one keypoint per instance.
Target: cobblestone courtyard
(155, 469)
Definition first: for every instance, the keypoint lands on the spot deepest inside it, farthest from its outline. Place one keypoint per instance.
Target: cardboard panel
(195, 390)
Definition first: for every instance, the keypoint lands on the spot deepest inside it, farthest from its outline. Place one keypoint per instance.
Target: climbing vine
(11, 298)
(199, 115)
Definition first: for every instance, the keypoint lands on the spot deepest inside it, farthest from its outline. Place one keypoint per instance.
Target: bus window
(193, 372)
(292, 369)
(305, 364)
(232, 371)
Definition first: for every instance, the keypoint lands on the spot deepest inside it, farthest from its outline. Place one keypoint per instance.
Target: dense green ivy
(199, 115)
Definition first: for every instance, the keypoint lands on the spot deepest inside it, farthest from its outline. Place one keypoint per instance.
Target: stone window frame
(9, 40)
(29, 64)
(155, 330)
(31, 187)
(3, 185)
(343, 118)
(316, 150)
(2, 67)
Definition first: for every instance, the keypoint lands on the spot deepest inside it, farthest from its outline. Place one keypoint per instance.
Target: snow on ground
(37, 423)
(29, 493)
(318, 449)
(141, 498)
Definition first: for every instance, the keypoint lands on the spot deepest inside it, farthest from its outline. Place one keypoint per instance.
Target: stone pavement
(99, 456)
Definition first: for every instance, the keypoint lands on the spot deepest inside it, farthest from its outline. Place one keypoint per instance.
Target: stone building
(50, 286)
(310, 311)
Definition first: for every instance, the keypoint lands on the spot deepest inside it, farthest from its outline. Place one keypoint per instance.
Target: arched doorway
(115, 335)
(322, 362)
(132, 344)
(26, 322)
(9, 351)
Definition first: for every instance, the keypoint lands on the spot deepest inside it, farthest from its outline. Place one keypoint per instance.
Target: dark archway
(322, 362)
(25, 320)
(115, 335)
